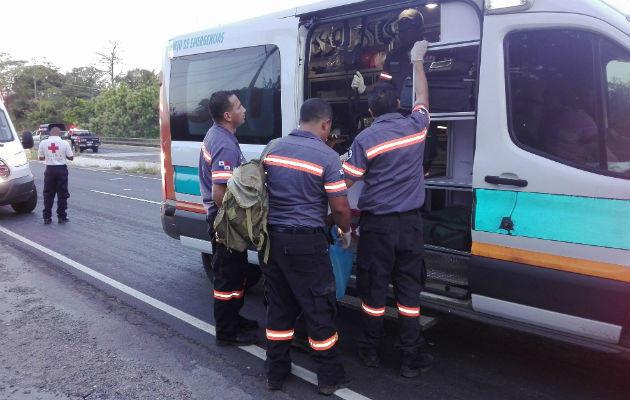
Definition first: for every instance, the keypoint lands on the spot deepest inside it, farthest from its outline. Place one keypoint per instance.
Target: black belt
(299, 230)
(415, 211)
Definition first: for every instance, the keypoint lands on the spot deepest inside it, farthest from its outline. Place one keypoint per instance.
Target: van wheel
(94, 149)
(27, 206)
(206, 259)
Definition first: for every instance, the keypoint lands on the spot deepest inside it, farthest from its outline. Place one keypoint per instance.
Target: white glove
(358, 83)
(419, 50)
(346, 238)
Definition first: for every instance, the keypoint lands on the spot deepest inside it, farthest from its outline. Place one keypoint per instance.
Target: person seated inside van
(567, 130)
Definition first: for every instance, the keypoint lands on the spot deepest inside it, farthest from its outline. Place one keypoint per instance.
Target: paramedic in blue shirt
(220, 155)
(387, 156)
(304, 177)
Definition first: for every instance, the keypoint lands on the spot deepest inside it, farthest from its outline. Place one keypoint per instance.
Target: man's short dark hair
(315, 109)
(382, 99)
(220, 103)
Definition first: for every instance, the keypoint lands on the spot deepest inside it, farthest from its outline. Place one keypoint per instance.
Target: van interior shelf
(454, 116)
(444, 46)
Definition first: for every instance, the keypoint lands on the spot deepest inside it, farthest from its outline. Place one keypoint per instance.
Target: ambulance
(527, 212)
(17, 185)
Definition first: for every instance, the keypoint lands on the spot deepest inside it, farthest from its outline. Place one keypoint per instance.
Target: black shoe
(275, 384)
(411, 368)
(47, 221)
(241, 339)
(245, 324)
(369, 357)
(63, 220)
(328, 390)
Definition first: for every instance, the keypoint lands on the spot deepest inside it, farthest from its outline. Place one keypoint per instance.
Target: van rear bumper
(178, 223)
(16, 190)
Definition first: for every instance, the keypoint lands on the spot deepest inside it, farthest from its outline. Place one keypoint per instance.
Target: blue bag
(341, 260)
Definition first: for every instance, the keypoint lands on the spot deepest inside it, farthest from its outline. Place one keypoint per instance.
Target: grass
(143, 169)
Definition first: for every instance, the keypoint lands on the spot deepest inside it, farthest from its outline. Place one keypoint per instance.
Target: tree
(83, 83)
(8, 69)
(110, 61)
(136, 78)
(35, 96)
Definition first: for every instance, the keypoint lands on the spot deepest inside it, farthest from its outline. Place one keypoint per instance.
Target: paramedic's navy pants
(391, 250)
(229, 268)
(299, 277)
(232, 276)
(56, 183)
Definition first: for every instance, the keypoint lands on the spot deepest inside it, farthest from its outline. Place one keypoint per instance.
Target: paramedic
(388, 157)
(55, 151)
(397, 67)
(220, 155)
(304, 176)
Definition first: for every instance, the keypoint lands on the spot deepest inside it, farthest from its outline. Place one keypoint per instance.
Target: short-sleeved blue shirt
(220, 155)
(302, 173)
(388, 157)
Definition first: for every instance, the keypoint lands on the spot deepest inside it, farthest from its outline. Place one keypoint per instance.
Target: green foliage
(38, 94)
(120, 112)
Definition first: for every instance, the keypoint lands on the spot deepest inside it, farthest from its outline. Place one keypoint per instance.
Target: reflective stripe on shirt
(396, 144)
(294, 163)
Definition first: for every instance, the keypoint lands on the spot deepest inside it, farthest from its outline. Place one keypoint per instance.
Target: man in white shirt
(55, 151)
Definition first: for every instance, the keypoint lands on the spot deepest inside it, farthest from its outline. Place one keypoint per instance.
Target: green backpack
(242, 220)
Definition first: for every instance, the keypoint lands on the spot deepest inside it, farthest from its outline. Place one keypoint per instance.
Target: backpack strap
(266, 212)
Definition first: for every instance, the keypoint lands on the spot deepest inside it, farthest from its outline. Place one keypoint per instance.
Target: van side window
(5, 130)
(253, 73)
(568, 96)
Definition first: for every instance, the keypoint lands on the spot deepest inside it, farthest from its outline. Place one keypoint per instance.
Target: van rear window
(253, 73)
(5, 130)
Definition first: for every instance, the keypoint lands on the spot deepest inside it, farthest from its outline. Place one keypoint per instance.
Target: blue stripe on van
(573, 219)
(187, 180)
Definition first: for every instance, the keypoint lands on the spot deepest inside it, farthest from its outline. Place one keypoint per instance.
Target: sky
(81, 28)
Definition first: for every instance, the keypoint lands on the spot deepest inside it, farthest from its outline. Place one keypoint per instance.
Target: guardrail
(131, 141)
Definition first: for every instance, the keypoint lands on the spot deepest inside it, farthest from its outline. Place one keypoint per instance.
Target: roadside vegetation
(90, 97)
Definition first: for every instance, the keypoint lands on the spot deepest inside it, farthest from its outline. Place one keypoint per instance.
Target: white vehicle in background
(17, 186)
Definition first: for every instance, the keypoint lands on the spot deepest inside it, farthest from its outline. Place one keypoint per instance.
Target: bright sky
(82, 28)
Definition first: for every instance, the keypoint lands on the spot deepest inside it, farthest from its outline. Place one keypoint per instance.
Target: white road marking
(125, 197)
(256, 351)
(127, 189)
(115, 179)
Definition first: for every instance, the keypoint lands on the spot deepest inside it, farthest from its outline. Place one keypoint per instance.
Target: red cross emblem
(53, 148)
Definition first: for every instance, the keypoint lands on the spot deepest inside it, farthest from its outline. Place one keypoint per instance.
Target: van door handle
(497, 180)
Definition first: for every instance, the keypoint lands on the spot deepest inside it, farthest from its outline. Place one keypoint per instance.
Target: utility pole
(35, 89)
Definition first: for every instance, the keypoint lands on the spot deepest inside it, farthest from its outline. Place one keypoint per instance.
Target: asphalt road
(122, 238)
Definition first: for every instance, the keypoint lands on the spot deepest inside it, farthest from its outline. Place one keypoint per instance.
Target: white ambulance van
(527, 213)
(17, 186)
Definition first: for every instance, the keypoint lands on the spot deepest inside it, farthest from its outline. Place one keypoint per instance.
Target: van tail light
(4, 170)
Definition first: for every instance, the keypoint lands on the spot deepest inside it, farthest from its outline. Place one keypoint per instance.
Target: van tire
(206, 259)
(94, 149)
(27, 206)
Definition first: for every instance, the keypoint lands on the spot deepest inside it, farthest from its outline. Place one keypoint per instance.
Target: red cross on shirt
(53, 148)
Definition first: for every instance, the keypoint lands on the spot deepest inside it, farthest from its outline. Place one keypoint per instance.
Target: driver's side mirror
(27, 140)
